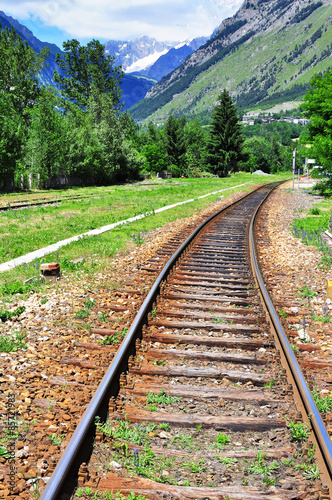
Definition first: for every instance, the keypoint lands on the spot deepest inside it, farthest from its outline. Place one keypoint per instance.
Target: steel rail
(62, 471)
(308, 402)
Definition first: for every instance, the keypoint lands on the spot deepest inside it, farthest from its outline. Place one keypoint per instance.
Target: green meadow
(23, 231)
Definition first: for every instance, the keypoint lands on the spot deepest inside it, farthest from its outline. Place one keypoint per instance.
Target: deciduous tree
(318, 107)
(85, 70)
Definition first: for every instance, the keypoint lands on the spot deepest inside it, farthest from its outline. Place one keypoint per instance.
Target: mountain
(47, 73)
(134, 87)
(265, 54)
(168, 62)
(147, 57)
(137, 54)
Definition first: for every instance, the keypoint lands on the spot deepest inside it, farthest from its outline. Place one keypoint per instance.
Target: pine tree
(224, 148)
(175, 143)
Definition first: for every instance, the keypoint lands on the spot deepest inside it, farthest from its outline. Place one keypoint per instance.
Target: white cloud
(128, 19)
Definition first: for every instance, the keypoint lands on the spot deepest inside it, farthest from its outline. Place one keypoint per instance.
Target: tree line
(78, 128)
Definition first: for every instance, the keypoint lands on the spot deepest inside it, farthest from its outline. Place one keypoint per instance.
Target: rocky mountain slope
(266, 53)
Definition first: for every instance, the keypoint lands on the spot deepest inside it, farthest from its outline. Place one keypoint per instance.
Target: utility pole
(294, 160)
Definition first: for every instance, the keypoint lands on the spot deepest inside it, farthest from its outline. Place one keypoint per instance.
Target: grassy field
(310, 226)
(26, 230)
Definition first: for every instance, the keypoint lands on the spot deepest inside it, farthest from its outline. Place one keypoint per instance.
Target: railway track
(37, 202)
(204, 398)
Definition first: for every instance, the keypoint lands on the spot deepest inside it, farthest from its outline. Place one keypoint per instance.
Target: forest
(78, 128)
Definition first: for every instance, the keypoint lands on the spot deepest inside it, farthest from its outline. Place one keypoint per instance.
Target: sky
(55, 21)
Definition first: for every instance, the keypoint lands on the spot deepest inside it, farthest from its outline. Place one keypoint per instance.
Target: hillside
(133, 87)
(46, 76)
(265, 54)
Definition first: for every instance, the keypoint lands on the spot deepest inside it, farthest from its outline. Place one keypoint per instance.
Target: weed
(138, 434)
(262, 467)
(116, 337)
(17, 287)
(314, 211)
(70, 265)
(282, 313)
(269, 384)
(294, 347)
(12, 342)
(228, 461)
(159, 363)
(153, 312)
(221, 441)
(137, 238)
(35, 486)
(162, 398)
(195, 467)
(183, 441)
(325, 262)
(198, 427)
(152, 407)
(56, 440)
(84, 313)
(103, 317)
(165, 427)
(4, 452)
(306, 293)
(299, 432)
(311, 454)
(324, 404)
(310, 471)
(6, 315)
(288, 462)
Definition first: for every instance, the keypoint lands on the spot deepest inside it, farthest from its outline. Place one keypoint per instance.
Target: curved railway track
(204, 398)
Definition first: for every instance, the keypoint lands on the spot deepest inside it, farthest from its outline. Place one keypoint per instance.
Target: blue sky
(175, 20)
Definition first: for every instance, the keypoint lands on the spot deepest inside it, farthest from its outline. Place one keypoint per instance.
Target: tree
(175, 143)
(196, 138)
(47, 145)
(19, 69)
(19, 90)
(100, 150)
(224, 148)
(317, 106)
(85, 70)
(11, 138)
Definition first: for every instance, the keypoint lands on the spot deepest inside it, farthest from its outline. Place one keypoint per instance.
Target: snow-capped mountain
(137, 54)
(147, 57)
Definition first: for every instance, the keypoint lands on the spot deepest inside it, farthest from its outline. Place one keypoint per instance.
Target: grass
(11, 342)
(27, 230)
(324, 404)
(7, 315)
(161, 398)
(298, 432)
(310, 228)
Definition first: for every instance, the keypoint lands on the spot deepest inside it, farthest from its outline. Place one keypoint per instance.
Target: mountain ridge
(134, 88)
(268, 50)
(146, 56)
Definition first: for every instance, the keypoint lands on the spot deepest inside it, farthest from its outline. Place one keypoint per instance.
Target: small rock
(165, 435)
(21, 454)
(115, 465)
